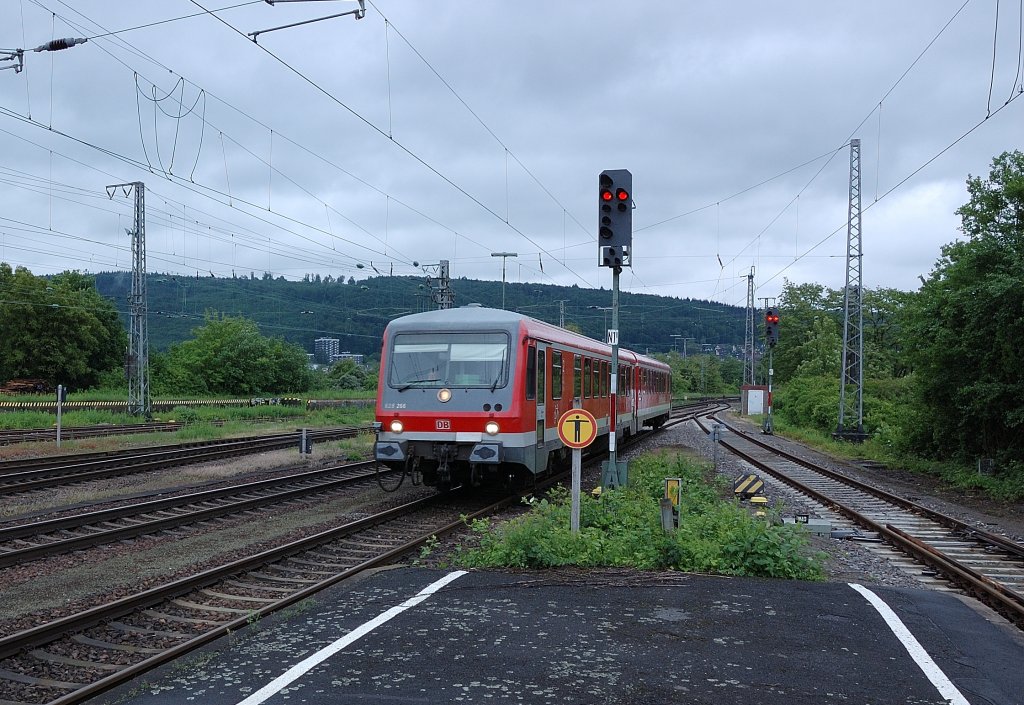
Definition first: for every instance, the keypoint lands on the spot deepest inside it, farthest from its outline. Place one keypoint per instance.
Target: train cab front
(443, 405)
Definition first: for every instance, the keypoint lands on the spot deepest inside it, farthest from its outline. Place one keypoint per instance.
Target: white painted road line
(299, 669)
(913, 646)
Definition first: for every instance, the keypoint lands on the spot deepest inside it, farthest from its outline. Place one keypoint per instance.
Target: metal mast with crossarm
(139, 402)
(851, 382)
(748, 339)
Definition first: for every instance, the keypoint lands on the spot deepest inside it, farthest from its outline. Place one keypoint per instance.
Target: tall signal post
(504, 257)
(851, 382)
(614, 243)
(139, 402)
(749, 336)
(771, 337)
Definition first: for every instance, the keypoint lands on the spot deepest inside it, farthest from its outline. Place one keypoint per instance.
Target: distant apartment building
(324, 349)
(355, 357)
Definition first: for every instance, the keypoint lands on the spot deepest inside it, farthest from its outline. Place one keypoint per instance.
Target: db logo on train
(444, 425)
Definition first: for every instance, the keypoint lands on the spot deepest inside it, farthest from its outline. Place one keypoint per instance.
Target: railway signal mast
(614, 245)
(771, 337)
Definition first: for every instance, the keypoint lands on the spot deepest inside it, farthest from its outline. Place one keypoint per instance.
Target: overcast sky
(451, 130)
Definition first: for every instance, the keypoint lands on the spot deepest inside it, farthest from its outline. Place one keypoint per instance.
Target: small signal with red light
(771, 326)
(615, 217)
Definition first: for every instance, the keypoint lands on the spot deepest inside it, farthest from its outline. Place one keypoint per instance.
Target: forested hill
(356, 312)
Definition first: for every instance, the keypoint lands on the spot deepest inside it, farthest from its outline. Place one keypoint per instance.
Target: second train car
(471, 395)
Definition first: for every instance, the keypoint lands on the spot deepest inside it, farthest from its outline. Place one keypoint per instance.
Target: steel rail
(27, 435)
(9, 467)
(74, 473)
(46, 633)
(97, 538)
(1010, 603)
(946, 520)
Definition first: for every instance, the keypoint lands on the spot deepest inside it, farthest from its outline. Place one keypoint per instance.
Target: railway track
(41, 539)
(987, 565)
(70, 659)
(26, 435)
(54, 471)
(51, 537)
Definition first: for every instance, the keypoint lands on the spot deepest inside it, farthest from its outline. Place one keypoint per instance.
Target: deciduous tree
(58, 329)
(967, 325)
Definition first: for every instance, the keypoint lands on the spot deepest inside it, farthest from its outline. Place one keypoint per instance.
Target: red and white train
(472, 395)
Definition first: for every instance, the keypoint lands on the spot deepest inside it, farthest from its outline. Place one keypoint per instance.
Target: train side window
(541, 377)
(604, 378)
(597, 378)
(577, 377)
(556, 374)
(587, 389)
(531, 371)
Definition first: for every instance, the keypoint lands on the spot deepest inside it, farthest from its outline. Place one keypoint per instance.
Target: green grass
(623, 528)
(208, 423)
(1007, 487)
(340, 394)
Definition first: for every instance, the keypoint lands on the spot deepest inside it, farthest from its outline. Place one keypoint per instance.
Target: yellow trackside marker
(748, 485)
(672, 486)
(577, 428)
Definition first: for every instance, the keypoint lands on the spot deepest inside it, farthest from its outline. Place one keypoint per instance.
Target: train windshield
(449, 360)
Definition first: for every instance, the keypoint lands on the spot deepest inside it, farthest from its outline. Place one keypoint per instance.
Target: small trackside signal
(771, 326)
(611, 256)
(615, 217)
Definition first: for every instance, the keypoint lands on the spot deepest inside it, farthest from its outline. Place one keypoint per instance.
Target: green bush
(623, 528)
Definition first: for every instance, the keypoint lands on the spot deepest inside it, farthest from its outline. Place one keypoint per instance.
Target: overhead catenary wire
(458, 234)
(241, 112)
(330, 229)
(416, 157)
(832, 154)
(904, 180)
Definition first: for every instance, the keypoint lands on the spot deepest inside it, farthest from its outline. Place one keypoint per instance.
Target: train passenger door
(542, 396)
(535, 391)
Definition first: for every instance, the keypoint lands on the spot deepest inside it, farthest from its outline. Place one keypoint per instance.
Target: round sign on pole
(577, 428)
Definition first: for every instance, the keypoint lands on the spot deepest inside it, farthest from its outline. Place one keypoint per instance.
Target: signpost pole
(574, 521)
(60, 405)
(577, 429)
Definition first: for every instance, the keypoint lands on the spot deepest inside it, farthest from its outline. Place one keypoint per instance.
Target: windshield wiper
(495, 385)
(414, 382)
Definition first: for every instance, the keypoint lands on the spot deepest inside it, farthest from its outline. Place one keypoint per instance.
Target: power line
(384, 134)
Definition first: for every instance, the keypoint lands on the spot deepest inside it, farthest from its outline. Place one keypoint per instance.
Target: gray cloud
(698, 101)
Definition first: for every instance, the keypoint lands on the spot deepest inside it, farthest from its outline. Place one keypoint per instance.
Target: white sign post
(60, 406)
(577, 429)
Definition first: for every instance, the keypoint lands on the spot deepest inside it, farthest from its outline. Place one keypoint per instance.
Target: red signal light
(606, 195)
(622, 195)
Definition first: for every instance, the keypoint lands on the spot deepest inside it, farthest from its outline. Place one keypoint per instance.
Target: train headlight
(492, 428)
(397, 426)
(444, 395)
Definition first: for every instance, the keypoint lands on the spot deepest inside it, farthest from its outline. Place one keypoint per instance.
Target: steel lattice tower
(139, 402)
(851, 381)
(751, 332)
